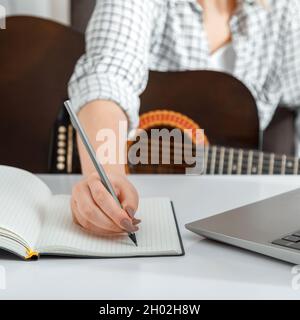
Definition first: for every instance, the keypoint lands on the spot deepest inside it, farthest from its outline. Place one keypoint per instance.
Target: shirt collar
(244, 4)
(247, 13)
(249, 2)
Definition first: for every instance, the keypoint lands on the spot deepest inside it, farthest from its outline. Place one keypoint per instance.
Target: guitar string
(256, 155)
(244, 161)
(188, 147)
(244, 165)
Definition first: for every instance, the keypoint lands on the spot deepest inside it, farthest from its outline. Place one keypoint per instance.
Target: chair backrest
(37, 58)
(279, 137)
(81, 11)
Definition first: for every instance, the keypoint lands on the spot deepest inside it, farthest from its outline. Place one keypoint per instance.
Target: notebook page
(22, 196)
(157, 234)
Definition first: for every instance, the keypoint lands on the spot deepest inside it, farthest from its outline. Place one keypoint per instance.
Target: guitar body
(213, 101)
(217, 102)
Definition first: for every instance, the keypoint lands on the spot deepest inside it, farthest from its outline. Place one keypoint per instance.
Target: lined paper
(157, 235)
(22, 198)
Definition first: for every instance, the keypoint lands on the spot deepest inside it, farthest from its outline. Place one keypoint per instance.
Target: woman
(256, 41)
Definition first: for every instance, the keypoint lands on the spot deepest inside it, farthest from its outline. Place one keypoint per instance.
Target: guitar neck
(222, 160)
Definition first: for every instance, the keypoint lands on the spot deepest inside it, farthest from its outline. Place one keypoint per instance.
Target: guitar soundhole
(164, 155)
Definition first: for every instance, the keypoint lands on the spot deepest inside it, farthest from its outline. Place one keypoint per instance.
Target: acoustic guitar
(216, 159)
(213, 101)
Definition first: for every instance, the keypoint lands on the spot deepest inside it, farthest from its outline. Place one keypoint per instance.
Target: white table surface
(208, 270)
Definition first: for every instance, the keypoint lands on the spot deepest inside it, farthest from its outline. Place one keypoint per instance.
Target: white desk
(207, 271)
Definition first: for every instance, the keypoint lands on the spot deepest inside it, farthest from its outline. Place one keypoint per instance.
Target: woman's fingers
(89, 226)
(90, 212)
(109, 206)
(74, 210)
(136, 221)
(94, 208)
(128, 196)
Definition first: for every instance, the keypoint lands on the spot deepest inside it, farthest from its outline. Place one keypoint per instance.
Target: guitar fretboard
(221, 160)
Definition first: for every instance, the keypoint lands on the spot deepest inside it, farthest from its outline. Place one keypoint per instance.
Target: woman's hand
(95, 210)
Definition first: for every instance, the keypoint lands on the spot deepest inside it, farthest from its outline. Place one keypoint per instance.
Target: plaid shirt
(127, 38)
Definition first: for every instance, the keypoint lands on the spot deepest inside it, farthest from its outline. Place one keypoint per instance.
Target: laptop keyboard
(290, 241)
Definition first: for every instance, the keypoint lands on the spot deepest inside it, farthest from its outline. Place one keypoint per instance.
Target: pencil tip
(133, 238)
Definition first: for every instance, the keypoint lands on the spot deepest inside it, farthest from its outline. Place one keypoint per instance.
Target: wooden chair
(37, 58)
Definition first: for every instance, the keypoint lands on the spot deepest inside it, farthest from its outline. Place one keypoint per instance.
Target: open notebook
(34, 222)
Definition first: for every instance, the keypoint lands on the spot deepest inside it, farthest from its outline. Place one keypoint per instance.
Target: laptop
(270, 227)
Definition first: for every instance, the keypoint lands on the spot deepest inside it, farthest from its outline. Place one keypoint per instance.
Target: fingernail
(127, 225)
(130, 212)
(136, 221)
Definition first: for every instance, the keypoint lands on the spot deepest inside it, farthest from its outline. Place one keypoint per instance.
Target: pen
(97, 164)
